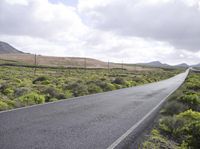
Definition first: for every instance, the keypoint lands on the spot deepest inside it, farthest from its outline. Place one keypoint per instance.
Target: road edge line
(130, 130)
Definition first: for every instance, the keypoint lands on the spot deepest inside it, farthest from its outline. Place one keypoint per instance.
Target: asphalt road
(89, 122)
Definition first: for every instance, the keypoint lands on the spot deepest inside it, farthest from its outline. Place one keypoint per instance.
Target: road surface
(89, 122)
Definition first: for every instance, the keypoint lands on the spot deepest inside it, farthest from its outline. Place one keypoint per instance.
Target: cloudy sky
(117, 30)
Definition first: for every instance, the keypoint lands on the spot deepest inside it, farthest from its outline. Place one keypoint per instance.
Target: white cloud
(169, 21)
(21, 2)
(128, 30)
(40, 18)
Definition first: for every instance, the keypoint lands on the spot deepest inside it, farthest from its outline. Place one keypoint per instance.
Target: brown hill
(64, 61)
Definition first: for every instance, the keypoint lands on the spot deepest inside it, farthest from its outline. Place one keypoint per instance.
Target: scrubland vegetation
(178, 126)
(20, 86)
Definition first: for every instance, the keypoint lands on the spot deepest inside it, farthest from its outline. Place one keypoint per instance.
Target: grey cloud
(173, 22)
(18, 19)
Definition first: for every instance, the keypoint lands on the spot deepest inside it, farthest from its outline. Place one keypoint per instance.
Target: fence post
(122, 66)
(85, 64)
(35, 63)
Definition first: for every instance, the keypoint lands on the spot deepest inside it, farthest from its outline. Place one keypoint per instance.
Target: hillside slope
(6, 48)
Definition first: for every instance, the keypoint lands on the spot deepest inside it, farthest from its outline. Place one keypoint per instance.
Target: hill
(197, 65)
(6, 48)
(29, 59)
(183, 65)
(155, 64)
(9, 54)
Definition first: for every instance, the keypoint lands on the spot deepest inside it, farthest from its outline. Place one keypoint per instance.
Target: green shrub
(61, 96)
(68, 94)
(189, 115)
(108, 87)
(120, 81)
(21, 91)
(192, 135)
(46, 82)
(52, 92)
(11, 103)
(193, 86)
(18, 80)
(183, 128)
(136, 79)
(193, 82)
(78, 89)
(117, 86)
(93, 88)
(8, 91)
(105, 86)
(26, 82)
(3, 86)
(173, 107)
(157, 141)
(53, 99)
(170, 126)
(192, 100)
(3, 106)
(99, 83)
(40, 79)
(190, 131)
(133, 83)
(31, 99)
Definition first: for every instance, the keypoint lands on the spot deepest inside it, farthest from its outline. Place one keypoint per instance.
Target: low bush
(173, 107)
(3, 106)
(53, 99)
(17, 80)
(8, 91)
(11, 103)
(21, 91)
(170, 127)
(120, 81)
(192, 135)
(68, 94)
(193, 86)
(157, 141)
(117, 86)
(40, 79)
(61, 96)
(192, 100)
(190, 131)
(184, 128)
(136, 79)
(31, 99)
(78, 89)
(108, 87)
(51, 91)
(93, 88)
(189, 115)
(46, 82)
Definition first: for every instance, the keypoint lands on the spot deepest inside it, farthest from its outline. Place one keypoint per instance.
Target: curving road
(90, 122)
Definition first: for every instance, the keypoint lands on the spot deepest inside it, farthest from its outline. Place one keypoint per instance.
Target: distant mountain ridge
(155, 64)
(15, 54)
(6, 48)
(163, 65)
(182, 65)
(197, 65)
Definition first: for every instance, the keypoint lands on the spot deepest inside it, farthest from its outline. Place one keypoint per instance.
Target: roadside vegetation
(21, 86)
(178, 126)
